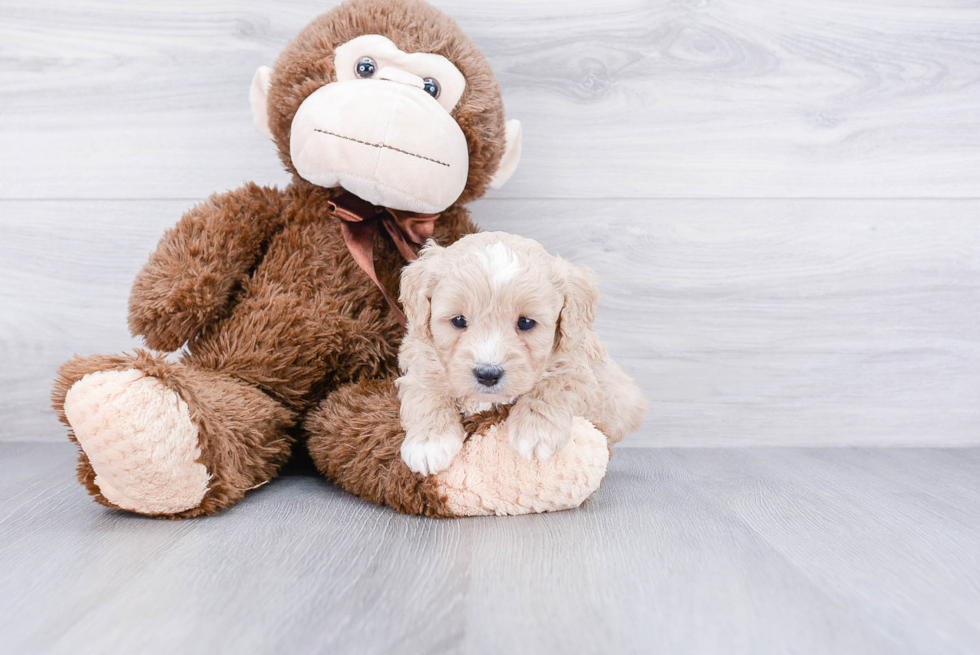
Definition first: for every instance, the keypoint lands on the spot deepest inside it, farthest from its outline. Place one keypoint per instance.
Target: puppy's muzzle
(488, 376)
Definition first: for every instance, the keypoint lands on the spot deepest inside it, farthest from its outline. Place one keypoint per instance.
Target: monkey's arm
(355, 439)
(190, 279)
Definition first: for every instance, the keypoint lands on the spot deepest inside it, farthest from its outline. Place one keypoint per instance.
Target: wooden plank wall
(780, 197)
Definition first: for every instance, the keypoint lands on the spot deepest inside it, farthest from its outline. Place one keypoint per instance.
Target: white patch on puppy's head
(500, 262)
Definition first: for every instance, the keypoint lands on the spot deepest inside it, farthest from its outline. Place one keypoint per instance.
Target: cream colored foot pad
(140, 439)
(520, 486)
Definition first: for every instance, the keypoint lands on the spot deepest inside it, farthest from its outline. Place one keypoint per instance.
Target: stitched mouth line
(382, 145)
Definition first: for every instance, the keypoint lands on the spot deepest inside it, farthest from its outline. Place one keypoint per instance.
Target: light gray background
(781, 200)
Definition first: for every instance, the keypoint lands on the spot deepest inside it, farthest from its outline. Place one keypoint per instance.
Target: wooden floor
(748, 550)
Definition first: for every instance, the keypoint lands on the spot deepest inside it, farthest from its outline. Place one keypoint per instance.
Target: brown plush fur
(358, 447)
(275, 313)
(357, 444)
(242, 431)
(306, 64)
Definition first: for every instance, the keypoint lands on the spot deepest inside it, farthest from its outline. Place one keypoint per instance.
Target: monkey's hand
(190, 280)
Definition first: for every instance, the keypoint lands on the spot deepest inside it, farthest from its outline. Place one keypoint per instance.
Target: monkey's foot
(140, 439)
(489, 476)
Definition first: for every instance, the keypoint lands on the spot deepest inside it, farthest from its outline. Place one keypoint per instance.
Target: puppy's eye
(524, 324)
(458, 322)
(365, 67)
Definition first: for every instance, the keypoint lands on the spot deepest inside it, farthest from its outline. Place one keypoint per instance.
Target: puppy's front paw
(534, 436)
(431, 453)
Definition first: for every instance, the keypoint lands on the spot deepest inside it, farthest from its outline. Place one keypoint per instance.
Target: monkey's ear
(258, 97)
(512, 155)
(417, 283)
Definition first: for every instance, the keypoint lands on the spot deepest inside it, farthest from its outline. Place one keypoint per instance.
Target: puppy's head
(496, 310)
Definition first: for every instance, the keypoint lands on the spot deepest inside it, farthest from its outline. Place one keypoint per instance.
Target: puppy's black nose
(488, 375)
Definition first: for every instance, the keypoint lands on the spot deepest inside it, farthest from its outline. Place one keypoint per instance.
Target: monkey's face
(383, 130)
(384, 127)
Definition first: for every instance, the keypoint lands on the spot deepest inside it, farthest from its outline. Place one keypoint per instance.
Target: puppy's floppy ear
(581, 297)
(415, 295)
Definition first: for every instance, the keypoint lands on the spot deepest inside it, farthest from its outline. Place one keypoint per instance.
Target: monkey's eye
(365, 67)
(431, 87)
(458, 322)
(525, 324)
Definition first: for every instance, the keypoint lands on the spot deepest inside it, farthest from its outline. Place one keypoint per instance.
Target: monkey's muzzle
(389, 143)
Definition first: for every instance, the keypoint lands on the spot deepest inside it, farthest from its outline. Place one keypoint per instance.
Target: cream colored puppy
(495, 319)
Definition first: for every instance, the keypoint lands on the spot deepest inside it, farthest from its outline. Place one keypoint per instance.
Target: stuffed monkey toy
(280, 304)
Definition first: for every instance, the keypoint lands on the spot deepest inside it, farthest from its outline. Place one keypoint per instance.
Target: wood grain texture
(795, 322)
(624, 98)
(803, 318)
(688, 551)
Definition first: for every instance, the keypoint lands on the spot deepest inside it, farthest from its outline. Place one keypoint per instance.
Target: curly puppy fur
(495, 319)
(275, 314)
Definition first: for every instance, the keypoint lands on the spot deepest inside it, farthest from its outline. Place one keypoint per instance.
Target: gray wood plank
(800, 322)
(818, 322)
(831, 514)
(625, 98)
(761, 550)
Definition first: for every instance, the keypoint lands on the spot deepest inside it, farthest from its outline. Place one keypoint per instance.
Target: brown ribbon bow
(359, 221)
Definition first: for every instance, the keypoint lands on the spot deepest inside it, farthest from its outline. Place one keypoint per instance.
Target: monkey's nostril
(488, 376)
